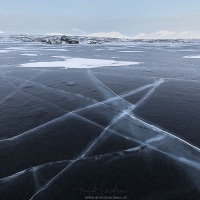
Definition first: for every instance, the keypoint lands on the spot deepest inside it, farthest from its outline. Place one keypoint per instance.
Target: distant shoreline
(63, 39)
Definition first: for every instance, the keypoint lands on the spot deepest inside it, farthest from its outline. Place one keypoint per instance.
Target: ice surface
(56, 133)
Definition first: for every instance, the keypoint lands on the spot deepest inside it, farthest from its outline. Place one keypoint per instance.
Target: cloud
(108, 34)
(1, 32)
(74, 32)
(55, 34)
(78, 31)
(155, 35)
(169, 35)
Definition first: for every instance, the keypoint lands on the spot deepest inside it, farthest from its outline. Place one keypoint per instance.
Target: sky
(119, 18)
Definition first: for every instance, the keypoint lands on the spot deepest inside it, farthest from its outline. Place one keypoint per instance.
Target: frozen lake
(80, 121)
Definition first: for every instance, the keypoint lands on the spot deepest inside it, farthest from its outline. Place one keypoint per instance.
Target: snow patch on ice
(4, 51)
(62, 57)
(56, 49)
(130, 51)
(187, 50)
(17, 48)
(191, 56)
(29, 54)
(99, 49)
(79, 63)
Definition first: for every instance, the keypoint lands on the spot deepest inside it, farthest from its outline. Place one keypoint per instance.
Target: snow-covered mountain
(59, 39)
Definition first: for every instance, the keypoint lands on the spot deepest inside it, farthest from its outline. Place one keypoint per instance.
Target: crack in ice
(23, 84)
(8, 178)
(121, 115)
(111, 91)
(90, 106)
(126, 112)
(155, 85)
(147, 143)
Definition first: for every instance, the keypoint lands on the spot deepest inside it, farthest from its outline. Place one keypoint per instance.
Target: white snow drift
(79, 63)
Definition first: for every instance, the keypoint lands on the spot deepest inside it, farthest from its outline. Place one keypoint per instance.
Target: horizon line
(163, 34)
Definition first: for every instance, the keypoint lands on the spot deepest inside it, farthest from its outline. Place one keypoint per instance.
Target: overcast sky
(77, 17)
